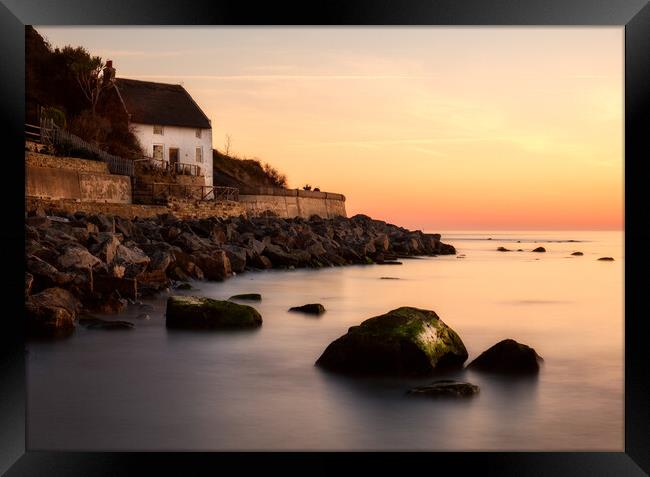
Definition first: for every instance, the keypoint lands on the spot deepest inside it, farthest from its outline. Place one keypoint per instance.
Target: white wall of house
(182, 138)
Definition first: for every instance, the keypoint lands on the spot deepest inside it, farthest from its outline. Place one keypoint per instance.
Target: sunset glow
(430, 128)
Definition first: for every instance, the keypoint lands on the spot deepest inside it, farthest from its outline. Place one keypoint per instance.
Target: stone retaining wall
(295, 203)
(35, 159)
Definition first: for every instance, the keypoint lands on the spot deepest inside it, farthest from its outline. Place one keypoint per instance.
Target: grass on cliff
(232, 171)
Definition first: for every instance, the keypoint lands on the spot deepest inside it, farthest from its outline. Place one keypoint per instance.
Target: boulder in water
(404, 341)
(507, 356)
(310, 308)
(201, 312)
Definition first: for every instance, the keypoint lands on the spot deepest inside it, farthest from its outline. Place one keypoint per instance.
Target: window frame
(162, 129)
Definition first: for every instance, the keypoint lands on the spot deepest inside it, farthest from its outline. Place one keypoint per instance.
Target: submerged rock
(445, 388)
(310, 308)
(389, 278)
(507, 356)
(606, 259)
(247, 296)
(404, 341)
(201, 312)
(503, 249)
(539, 249)
(94, 323)
(577, 254)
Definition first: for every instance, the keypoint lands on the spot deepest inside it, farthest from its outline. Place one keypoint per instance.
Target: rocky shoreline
(101, 263)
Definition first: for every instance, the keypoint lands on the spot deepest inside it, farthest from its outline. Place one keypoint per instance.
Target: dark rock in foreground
(93, 323)
(539, 249)
(509, 357)
(577, 254)
(247, 296)
(503, 249)
(200, 312)
(405, 341)
(310, 308)
(51, 313)
(606, 259)
(445, 388)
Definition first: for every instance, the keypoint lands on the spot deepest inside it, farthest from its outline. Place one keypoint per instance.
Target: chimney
(109, 72)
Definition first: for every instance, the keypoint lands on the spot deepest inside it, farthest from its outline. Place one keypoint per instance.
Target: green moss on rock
(201, 312)
(404, 341)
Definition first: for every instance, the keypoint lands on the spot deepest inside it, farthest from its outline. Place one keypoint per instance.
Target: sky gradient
(430, 128)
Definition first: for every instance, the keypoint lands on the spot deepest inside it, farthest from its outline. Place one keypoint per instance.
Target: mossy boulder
(404, 341)
(310, 308)
(445, 388)
(508, 357)
(247, 297)
(200, 312)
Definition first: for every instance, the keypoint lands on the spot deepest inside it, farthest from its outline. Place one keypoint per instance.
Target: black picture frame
(634, 15)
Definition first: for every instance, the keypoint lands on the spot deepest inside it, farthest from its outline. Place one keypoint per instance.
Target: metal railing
(163, 191)
(50, 134)
(167, 167)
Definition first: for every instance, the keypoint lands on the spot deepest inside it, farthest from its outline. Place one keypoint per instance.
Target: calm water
(153, 389)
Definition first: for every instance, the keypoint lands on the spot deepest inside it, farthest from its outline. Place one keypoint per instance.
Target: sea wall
(70, 178)
(294, 203)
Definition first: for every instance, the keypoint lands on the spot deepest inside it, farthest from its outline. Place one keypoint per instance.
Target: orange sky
(430, 128)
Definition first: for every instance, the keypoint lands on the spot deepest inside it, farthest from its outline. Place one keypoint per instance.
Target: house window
(157, 129)
(199, 154)
(158, 152)
(198, 133)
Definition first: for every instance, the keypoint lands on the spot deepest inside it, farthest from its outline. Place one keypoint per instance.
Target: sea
(153, 389)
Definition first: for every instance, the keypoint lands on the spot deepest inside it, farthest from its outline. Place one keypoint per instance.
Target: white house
(169, 124)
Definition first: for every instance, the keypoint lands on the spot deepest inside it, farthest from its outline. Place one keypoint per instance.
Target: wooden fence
(49, 133)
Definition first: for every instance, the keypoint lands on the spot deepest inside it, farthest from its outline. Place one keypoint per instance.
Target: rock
(76, 256)
(389, 263)
(310, 308)
(51, 312)
(143, 316)
(93, 323)
(106, 247)
(29, 280)
(389, 278)
(539, 249)
(215, 266)
(404, 341)
(107, 285)
(606, 259)
(184, 286)
(45, 275)
(445, 388)
(247, 296)
(104, 223)
(507, 356)
(200, 312)
(503, 249)
(577, 254)
(260, 261)
(236, 256)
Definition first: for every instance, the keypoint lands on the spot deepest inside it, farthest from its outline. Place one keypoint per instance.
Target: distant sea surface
(154, 389)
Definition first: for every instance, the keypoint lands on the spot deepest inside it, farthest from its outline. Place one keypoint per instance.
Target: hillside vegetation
(232, 171)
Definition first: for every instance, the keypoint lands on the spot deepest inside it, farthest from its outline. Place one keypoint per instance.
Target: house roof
(160, 103)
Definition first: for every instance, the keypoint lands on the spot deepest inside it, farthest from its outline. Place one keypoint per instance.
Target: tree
(88, 72)
(227, 145)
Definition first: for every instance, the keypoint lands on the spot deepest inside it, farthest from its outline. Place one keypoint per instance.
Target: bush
(278, 179)
(94, 129)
